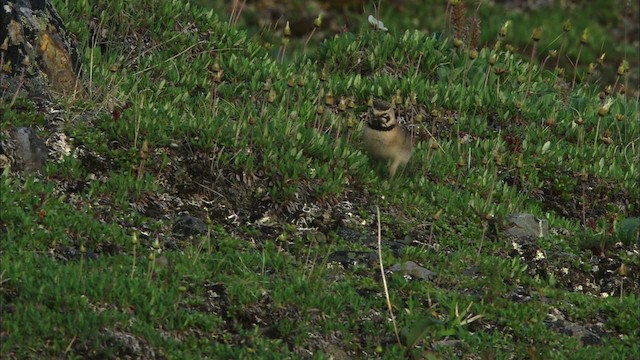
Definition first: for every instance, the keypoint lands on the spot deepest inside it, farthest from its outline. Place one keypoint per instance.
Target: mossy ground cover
(184, 114)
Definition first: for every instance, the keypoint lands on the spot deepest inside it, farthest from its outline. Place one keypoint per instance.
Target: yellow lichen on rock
(56, 63)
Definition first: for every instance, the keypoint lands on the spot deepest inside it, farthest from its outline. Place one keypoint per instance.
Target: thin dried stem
(384, 280)
(575, 67)
(239, 12)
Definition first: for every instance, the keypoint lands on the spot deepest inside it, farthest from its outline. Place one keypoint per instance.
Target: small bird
(384, 139)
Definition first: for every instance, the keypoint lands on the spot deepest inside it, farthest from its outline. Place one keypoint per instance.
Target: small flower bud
(591, 68)
(622, 270)
(351, 121)
(584, 38)
(504, 28)
(619, 117)
(601, 58)
(584, 175)
(328, 100)
(622, 89)
(217, 78)
(473, 54)
(497, 157)
(604, 109)
(608, 90)
(318, 21)
(566, 26)
(457, 43)
(537, 34)
(287, 30)
(518, 105)
(550, 121)
(397, 99)
(342, 104)
(216, 65)
(492, 60)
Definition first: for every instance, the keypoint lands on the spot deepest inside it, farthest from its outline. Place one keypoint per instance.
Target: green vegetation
(184, 114)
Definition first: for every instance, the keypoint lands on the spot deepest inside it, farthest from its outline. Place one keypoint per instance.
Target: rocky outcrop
(37, 54)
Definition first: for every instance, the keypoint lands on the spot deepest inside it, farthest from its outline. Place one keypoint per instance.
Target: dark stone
(30, 151)
(414, 270)
(126, 345)
(353, 258)
(557, 322)
(187, 225)
(349, 234)
(170, 244)
(527, 226)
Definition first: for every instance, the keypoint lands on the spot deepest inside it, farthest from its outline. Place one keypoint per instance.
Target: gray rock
(527, 226)
(30, 151)
(414, 270)
(187, 225)
(348, 258)
(350, 235)
(126, 345)
(557, 322)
